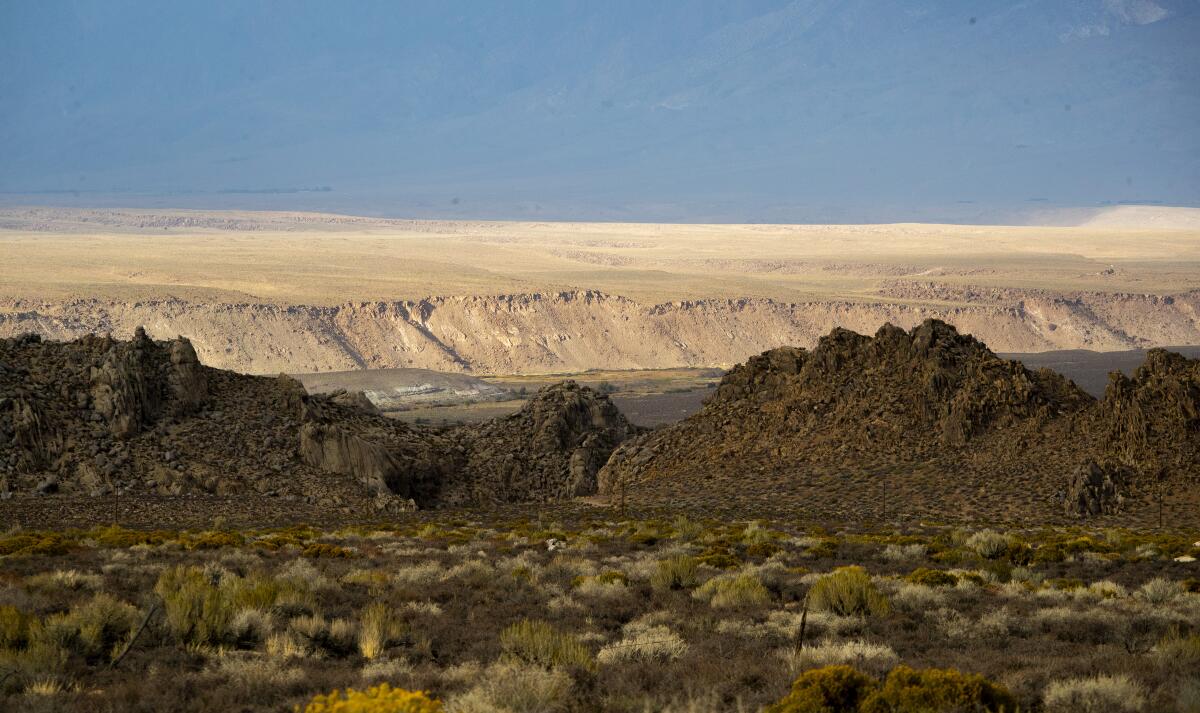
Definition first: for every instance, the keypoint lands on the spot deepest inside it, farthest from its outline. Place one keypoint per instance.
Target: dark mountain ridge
(922, 422)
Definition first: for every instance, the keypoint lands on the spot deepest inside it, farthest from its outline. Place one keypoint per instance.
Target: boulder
(187, 382)
(336, 450)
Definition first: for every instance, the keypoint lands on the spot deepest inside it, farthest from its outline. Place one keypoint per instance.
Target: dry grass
(476, 611)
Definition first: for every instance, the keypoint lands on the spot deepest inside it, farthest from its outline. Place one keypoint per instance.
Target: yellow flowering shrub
(378, 699)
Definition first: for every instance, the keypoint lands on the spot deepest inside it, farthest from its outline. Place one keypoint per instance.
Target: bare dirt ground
(270, 292)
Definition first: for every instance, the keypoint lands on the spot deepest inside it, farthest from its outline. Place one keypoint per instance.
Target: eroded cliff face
(580, 330)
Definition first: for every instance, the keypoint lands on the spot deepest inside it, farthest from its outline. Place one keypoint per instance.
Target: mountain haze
(787, 111)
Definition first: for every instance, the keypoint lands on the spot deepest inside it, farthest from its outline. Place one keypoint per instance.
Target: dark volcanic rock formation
(927, 422)
(146, 417)
(551, 449)
(384, 455)
(1095, 489)
(1151, 420)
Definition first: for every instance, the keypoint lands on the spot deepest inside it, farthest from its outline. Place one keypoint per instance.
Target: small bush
(734, 592)
(762, 549)
(99, 624)
(14, 627)
(195, 609)
(932, 577)
(644, 643)
(718, 558)
(918, 597)
(1179, 652)
(213, 540)
(988, 544)
(1049, 553)
(326, 550)
(538, 643)
(848, 591)
(604, 578)
(1098, 694)
(831, 689)
(512, 688)
(1160, 591)
(674, 573)
(933, 690)
(378, 628)
(904, 553)
(378, 699)
(873, 658)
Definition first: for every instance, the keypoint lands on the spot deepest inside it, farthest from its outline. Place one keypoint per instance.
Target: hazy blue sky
(722, 110)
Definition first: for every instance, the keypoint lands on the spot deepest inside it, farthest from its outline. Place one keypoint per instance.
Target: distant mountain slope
(809, 110)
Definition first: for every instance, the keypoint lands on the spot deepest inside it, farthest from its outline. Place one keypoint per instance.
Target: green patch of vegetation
(326, 550)
(742, 591)
(677, 572)
(212, 540)
(832, 689)
(49, 543)
(117, 537)
(842, 689)
(848, 591)
(931, 577)
(719, 558)
(933, 690)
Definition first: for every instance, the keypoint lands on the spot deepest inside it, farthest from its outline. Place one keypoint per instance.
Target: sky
(723, 110)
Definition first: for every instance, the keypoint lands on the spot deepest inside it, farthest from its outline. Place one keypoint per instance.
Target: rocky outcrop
(34, 441)
(186, 380)
(551, 449)
(138, 381)
(384, 456)
(97, 415)
(1095, 489)
(1151, 421)
(905, 423)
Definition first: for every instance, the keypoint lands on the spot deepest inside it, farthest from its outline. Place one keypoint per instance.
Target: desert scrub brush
(377, 699)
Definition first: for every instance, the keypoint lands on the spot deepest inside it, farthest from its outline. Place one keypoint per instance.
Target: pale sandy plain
(270, 292)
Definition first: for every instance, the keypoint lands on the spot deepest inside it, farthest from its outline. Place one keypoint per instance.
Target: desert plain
(299, 292)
